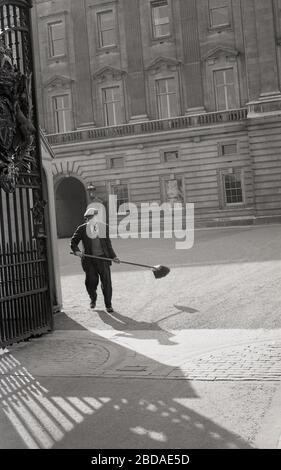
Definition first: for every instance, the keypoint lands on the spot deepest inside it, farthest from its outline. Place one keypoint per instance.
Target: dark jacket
(81, 235)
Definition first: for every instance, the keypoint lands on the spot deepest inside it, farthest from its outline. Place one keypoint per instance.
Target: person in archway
(95, 269)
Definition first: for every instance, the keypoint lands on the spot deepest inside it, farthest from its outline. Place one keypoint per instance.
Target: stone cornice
(220, 51)
(109, 72)
(58, 81)
(163, 62)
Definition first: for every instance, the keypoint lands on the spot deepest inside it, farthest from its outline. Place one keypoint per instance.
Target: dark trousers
(96, 270)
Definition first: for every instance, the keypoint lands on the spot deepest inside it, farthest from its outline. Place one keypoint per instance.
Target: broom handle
(121, 261)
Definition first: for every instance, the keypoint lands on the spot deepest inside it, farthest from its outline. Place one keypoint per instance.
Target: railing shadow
(97, 411)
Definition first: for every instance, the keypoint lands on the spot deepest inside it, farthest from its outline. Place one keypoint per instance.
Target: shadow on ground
(45, 403)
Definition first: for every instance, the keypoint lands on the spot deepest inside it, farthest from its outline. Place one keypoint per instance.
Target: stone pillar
(192, 72)
(266, 43)
(136, 78)
(251, 50)
(84, 105)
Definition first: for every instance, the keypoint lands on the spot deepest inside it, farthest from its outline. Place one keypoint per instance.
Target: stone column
(251, 50)
(136, 78)
(84, 105)
(192, 71)
(266, 42)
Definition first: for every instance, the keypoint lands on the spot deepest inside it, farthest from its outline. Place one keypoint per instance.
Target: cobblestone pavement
(105, 354)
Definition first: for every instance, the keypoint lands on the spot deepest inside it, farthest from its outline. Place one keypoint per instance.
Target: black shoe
(93, 304)
(109, 309)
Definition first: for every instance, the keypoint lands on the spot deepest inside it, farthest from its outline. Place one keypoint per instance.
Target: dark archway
(71, 203)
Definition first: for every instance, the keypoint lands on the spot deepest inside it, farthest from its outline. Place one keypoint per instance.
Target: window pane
(57, 31)
(161, 86)
(221, 99)
(219, 16)
(106, 20)
(68, 124)
(171, 85)
(62, 113)
(163, 107)
(219, 77)
(173, 105)
(121, 191)
(118, 113)
(231, 97)
(112, 106)
(229, 75)
(110, 119)
(171, 156)
(117, 162)
(233, 189)
(160, 19)
(106, 25)
(108, 38)
(57, 39)
(166, 98)
(229, 149)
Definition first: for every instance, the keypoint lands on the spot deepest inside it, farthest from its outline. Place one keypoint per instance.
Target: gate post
(25, 297)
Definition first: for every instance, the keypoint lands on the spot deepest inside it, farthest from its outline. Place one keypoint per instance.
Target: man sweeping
(95, 269)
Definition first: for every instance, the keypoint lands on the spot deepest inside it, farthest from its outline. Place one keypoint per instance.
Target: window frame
(235, 86)
(55, 112)
(219, 27)
(221, 145)
(111, 158)
(104, 104)
(153, 5)
(120, 183)
(163, 151)
(228, 205)
(99, 32)
(176, 93)
(50, 24)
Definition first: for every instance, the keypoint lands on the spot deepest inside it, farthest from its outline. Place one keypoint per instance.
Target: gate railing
(24, 293)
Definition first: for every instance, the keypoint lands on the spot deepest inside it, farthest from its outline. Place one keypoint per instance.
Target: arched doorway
(71, 203)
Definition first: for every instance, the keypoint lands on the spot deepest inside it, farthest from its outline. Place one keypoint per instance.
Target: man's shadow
(138, 329)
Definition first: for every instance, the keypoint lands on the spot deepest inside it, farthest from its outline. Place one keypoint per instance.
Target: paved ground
(189, 361)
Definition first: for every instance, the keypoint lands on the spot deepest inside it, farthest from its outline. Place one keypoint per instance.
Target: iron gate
(25, 300)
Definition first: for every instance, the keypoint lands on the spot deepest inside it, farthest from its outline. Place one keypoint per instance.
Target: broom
(158, 271)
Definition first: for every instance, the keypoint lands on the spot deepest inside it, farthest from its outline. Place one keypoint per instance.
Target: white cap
(90, 212)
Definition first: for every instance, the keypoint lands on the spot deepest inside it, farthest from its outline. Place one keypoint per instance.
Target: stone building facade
(140, 96)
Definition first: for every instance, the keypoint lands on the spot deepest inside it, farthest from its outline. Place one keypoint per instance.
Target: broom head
(160, 271)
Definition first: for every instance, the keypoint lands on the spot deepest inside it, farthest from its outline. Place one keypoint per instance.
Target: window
(116, 162)
(106, 29)
(228, 149)
(62, 113)
(225, 89)
(112, 106)
(233, 193)
(160, 19)
(167, 100)
(171, 156)
(56, 39)
(122, 193)
(219, 13)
